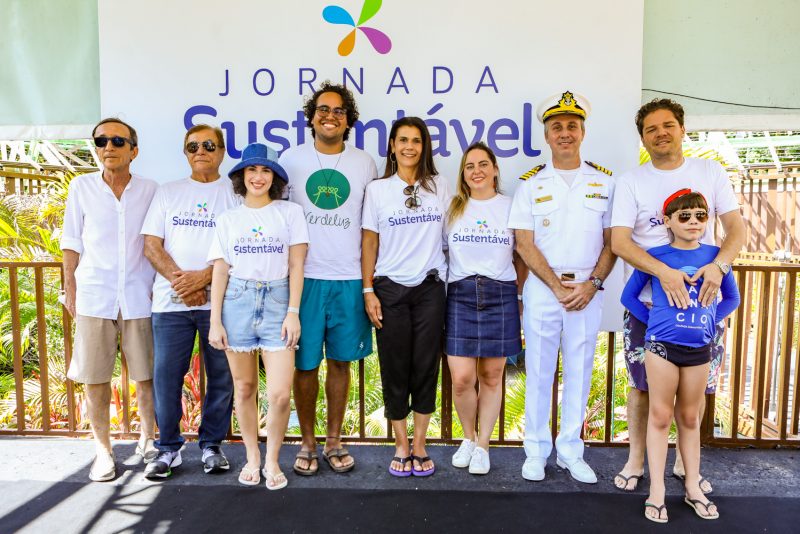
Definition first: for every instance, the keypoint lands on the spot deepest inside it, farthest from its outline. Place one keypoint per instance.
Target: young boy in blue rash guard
(678, 349)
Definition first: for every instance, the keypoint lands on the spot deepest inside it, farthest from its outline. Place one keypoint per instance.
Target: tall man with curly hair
(328, 177)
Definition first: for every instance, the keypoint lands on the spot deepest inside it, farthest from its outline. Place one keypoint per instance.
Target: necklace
(329, 172)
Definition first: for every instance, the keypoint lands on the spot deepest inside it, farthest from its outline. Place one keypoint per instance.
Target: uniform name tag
(592, 184)
(597, 195)
(544, 199)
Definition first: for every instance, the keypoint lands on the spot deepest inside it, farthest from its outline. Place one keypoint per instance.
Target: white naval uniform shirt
(567, 221)
(113, 275)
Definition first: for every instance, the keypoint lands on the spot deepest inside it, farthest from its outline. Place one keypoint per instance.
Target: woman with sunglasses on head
(403, 268)
(258, 255)
(482, 319)
(678, 345)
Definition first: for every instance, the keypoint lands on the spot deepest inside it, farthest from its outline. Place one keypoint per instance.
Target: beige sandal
(271, 480)
(246, 476)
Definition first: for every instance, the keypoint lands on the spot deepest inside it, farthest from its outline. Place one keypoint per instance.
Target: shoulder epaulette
(533, 171)
(598, 167)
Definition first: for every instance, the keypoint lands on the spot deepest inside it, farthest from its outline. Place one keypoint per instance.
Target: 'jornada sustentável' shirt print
(480, 242)
(410, 239)
(255, 241)
(184, 214)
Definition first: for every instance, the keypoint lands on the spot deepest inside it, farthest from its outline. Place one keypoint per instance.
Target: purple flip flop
(422, 472)
(400, 473)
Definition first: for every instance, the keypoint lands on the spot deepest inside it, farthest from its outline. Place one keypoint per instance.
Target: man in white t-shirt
(328, 177)
(178, 232)
(638, 225)
(562, 216)
(107, 284)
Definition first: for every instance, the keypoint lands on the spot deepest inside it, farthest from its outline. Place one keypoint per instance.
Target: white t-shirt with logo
(640, 196)
(330, 188)
(184, 214)
(410, 240)
(255, 241)
(480, 242)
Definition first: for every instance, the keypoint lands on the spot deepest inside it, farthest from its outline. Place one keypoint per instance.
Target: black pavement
(45, 487)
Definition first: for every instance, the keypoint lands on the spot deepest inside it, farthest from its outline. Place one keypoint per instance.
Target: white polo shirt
(113, 276)
(567, 221)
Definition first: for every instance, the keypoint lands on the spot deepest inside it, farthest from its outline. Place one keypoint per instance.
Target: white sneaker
(579, 470)
(463, 455)
(479, 463)
(533, 468)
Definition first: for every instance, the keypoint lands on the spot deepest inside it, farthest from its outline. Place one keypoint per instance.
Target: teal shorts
(332, 317)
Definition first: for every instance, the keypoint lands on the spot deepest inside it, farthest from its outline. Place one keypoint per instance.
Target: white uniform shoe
(579, 470)
(533, 468)
(463, 455)
(479, 464)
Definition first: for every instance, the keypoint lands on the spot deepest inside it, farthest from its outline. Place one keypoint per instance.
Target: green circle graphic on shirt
(327, 189)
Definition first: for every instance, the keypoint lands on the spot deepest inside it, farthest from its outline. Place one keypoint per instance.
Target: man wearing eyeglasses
(638, 225)
(328, 177)
(107, 284)
(177, 234)
(562, 215)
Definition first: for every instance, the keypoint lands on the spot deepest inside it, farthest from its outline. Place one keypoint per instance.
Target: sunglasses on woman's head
(119, 142)
(413, 200)
(194, 146)
(686, 216)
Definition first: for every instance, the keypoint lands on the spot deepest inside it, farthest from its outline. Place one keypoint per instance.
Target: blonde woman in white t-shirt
(482, 326)
(258, 254)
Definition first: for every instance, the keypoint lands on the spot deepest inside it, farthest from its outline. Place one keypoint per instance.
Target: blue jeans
(173, 341)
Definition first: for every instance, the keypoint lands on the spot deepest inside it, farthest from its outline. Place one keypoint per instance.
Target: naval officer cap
(566, 103)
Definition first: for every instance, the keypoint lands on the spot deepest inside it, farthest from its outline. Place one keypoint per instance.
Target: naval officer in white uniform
(561, 215)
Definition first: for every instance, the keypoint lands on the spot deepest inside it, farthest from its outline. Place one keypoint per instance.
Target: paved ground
(44, 487)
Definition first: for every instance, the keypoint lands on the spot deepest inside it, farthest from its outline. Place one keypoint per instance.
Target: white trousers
(547, 326)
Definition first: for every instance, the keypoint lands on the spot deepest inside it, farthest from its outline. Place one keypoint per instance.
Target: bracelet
(367, 290)
(519, 297)
(292, 309)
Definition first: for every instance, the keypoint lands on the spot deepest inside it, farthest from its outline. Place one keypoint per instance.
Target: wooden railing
(756, 404)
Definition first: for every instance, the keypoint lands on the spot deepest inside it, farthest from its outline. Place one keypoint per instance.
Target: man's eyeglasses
(193, 146)
(119, 142)
(686, 216)
(413, 200)
(324, 111)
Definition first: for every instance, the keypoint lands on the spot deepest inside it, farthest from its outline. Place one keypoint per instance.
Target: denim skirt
(482, 318)
(253, 314)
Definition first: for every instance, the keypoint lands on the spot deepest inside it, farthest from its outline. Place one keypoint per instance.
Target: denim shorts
(253, 314)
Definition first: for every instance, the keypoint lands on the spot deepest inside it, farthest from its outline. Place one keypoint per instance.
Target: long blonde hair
(459, 202)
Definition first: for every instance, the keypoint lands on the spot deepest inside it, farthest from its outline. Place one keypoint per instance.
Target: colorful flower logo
(202, 208)
(482, 224)
(258, 232)
(338, 15)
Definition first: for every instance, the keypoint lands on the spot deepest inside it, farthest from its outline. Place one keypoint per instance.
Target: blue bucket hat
(258, 154)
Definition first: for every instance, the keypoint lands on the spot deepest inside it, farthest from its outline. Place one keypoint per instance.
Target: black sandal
(338, 453)
(624, 488)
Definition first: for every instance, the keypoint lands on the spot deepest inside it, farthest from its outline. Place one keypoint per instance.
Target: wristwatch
(597, 283)
(725, 268)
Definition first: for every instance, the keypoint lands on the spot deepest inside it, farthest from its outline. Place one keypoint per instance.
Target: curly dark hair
(275, 190)
(655, 105)
(348, 103)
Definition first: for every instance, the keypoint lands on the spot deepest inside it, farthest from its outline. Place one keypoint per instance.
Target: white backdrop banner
(472, 70)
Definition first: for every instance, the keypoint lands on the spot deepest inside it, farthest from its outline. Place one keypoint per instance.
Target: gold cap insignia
(568, 103)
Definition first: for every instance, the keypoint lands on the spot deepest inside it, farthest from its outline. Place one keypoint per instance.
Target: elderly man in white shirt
(108, 284)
